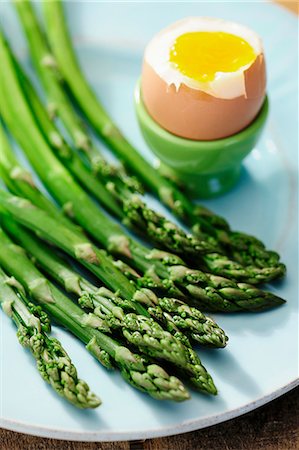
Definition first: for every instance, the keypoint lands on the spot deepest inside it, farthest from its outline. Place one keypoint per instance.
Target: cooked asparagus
(175, 315)
(53, 362)
(108, 305)
(201, 286)
(136, 369)
(46, 227)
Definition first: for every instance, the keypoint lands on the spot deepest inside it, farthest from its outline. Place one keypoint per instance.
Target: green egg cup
(206, 168)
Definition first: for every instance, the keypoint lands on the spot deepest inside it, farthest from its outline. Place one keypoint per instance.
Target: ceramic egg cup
(206, 168)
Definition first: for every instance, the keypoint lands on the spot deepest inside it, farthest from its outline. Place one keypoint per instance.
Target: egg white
(225, 85)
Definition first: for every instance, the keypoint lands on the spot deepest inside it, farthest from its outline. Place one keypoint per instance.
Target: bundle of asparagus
(53, 363)
(200, 328)
(120, 313)
(174, 312)
(139, 371)
(125, 323)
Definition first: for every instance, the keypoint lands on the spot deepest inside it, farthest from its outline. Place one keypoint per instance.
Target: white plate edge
(110, 436)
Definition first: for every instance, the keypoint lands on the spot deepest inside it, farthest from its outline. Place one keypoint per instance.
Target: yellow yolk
(200, 55)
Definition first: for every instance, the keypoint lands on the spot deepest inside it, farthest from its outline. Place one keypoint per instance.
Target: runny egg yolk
(200, 55)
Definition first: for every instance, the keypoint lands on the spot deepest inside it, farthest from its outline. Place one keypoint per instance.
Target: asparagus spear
(58, 102)
(136, 369)
(179, 315)
(244, 248)
(207, 297)
(176, 351)
(161, 270)
(141, 331)
(53, 362)
(56, 178)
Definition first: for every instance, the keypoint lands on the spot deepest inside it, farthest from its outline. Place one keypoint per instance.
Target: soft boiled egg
(204, 78)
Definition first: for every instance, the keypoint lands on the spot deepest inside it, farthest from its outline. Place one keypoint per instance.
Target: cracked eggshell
(194, 114)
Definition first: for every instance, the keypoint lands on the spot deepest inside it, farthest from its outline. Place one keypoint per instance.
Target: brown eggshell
(193, 114)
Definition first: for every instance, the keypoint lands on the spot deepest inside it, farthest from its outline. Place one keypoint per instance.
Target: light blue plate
(261, 361)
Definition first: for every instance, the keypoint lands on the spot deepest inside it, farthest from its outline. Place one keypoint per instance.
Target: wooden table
(272, 427)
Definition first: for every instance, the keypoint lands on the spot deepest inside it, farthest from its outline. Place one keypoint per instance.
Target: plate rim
(112, 436)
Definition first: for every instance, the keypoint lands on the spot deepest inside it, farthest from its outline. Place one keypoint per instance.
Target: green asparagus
(63, 151)
(57, 179)
(176, 315)
(129, 312)
(46, 227)
(136, 369)
(53, 362)
(115, 310)
(212, 293)
(214, 296)
(141, 331)
(244, 248)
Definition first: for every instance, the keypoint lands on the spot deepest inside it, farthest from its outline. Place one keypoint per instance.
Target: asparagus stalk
(201, 328)
(141, 331)
(244, 248)
(56, 178)
(112, 308)
(190, 367)
(136, 369)
(211, 293)
(53, 362)
(178, 315)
